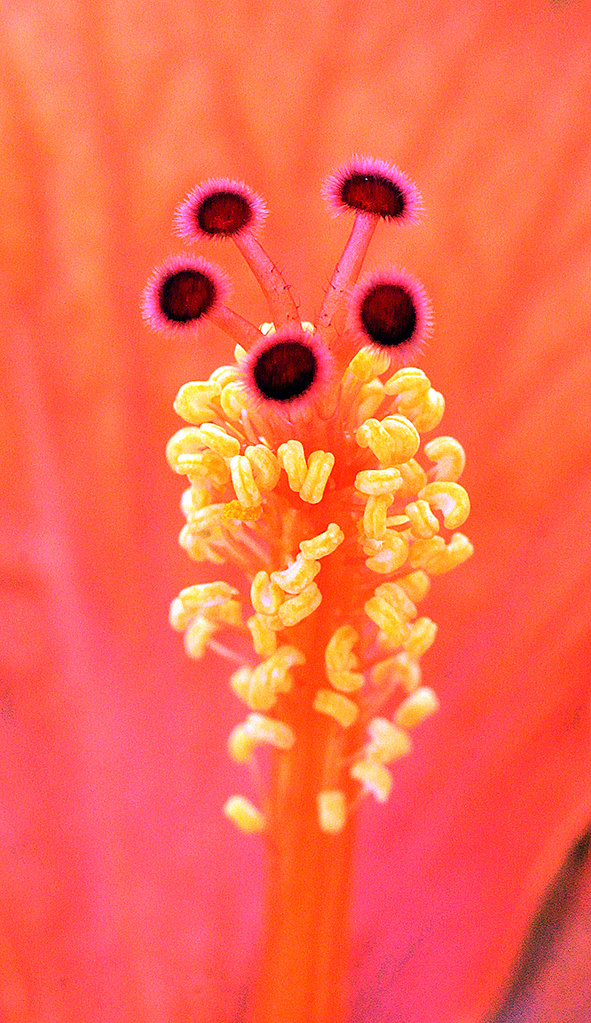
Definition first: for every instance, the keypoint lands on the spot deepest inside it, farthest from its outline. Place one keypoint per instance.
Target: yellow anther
(387, 619)
(233, 401)
(263, 688)
(398, 598)
(378, 481)
(197, 636)
(240, 682)
(270, 731)
(195, 547)
(371, 397)
(370, 435)
(193, 499)
(368, 363)
(338, 654)
(229, 613)
(320, 465)
(423, 523)
(437, 557)
(204, 465)
(192, 403)
(291, 456)
(265, 467)
(288, 656)
(388, 555)
(323, 544)
(387, 741)
(374, 516)
(264, 639)
(449, 456)
(244, 815)
(299, 575)
(265, 595)
(345, 681)
(416, 585)
(421, 637)
(184, 442)
(245, 487)
(332, 811)
(405, 441)
(414, 479)
(336, 706)
(224, 375)
(416, 707)
(400, 670)
(451, 499)
(295, 609)
(239, 354)
(427, 413)
(237, 511)
(267, 328)
(241, 745)
(199, 599)
(216, 438)
(374, 777)
(408, 383)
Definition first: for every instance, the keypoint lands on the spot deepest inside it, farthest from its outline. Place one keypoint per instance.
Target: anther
(265, 595)
(295, 609)
(336, 706)
(299, 575)
(387, 742)
(374, 777)
(332, 811)
(387, 619)
(451, 499)
(244, 815)
(449, 457)
(263, 729)
(416, 708)
(323, 544)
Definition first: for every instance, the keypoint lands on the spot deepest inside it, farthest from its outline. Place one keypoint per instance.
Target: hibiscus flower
(126, 893)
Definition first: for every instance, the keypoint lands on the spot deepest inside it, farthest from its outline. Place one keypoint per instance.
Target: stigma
(314, 463)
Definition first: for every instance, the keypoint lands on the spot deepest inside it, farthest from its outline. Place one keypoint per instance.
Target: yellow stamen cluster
(312, 521)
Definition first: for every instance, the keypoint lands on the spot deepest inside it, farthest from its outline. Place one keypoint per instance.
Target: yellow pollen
(265, 466)
(244, 815)
(197, 636)
(323, 544)
(386, 555)
(387, 619)
(416, 585)
(239, 354)
(337, 706)
(292, 458)
(398, 598)
(245, 487)
(374, 777)
(437, 557)
(374, 516)
(423, 523)
(408, 384)
(339, 654)
(240, 682)
(320, 465)
(368, 363)
(451, 499)
(378, 481)
(332, 811)
(371, 397)
(192, 402)
(262, 729)
(420, 638)
(224, 375)
(387, 741)
(204, 465)
(402, 669)
(295, 609)
(216, 438)
(186, 441)
(414, 479)
(265, 595)
(241, 745)
(416, 707)
(299, 575)
(233, 401)
(428, 411)
(264, 639)
(449, 457)
(235, 510)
